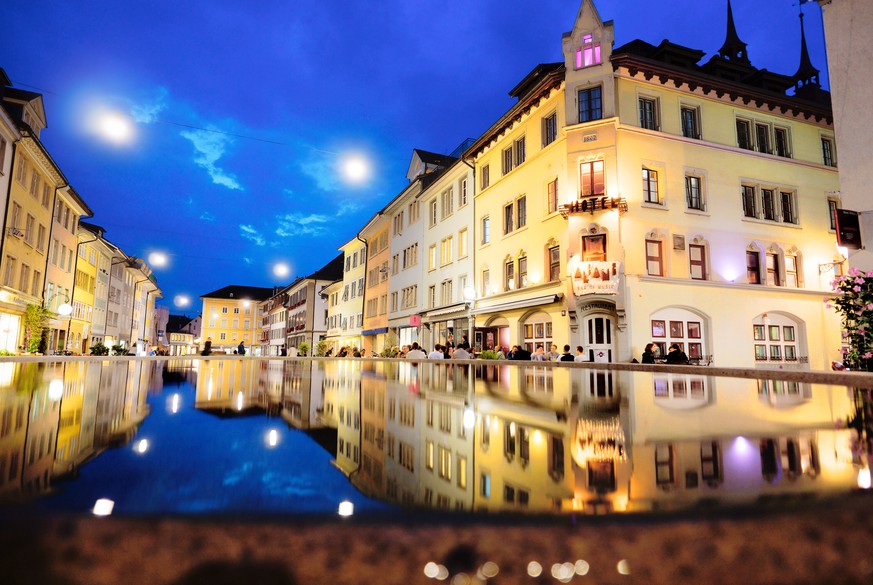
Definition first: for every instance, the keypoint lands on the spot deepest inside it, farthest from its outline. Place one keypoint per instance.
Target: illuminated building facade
(232, 315)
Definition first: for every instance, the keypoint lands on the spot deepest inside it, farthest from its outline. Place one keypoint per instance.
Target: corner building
(647, 194)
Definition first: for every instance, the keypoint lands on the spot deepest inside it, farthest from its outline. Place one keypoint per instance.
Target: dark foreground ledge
(805, 542)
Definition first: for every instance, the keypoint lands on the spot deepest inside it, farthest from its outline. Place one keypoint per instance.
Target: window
(588, 54)
(833, 204)
(24, 278)
(446, 250)
(509, 275)
(486, 282)
(550, 129)
(520, 151)
(507, 218)
(398, 224)
(552, 195)
(414, 212)
(432, 257)
(432, 217)
(786, 199)
(773, 270)
(462, 243)
(768, 204)
(782, 145)
(521, 211)
(648, 113)
(762, 137)
(2, 155)
(827, 152)
(448, 200)
(650, 186)
(9, 274)
(594, 248)
(29, 229)
(590, 104)
(431, 297)
(697, 261)
(522, 271)
(744, 134)
(749, 208)
(690, 121)
(554, 264)
(753, 270)
(507, 160)
(484, 178)
(446, 292)
(486, 229)
(462, 192)
(791, 278)
(693, 193)
(591, 179)
(654, 258)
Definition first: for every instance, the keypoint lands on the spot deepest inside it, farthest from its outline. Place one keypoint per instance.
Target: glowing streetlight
(158, 259)
(113, 126)
(281, 270)
(181, 301)
(354, 168)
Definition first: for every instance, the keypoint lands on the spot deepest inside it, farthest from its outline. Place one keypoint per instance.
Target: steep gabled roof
(332, 271)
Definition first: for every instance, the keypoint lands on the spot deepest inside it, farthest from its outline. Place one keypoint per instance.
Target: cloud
(209, 146)
(146, 113)
(297, 224)
(323, 171)
(206, 216)
(250, 233)
(248, 261)
(348, 206)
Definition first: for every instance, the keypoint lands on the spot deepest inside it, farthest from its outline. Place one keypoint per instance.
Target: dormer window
(588, 54)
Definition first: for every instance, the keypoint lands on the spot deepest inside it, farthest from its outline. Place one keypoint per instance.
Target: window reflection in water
(455, 436)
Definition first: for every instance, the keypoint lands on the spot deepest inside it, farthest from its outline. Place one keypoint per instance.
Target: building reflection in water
(56, 416)
(462, 437)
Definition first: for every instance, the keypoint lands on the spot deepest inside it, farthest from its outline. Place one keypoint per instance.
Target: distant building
(180, 339)
(232, 315)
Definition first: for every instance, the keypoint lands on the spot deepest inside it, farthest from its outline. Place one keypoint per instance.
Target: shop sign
(590, 278)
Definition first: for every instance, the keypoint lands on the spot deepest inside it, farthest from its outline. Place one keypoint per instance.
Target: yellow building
(231, 316)
(33, 190)
(349, 305)
(375, 325)
(700, 196)
(639, 194)
(85, 269)
(520, 236)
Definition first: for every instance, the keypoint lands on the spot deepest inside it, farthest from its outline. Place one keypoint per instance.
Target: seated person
(676, 355)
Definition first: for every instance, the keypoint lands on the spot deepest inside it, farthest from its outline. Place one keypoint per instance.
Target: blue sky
(242, 108)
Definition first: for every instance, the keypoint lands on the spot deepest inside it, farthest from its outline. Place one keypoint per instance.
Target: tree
(854, 302)
(35, 321)
(303, 348)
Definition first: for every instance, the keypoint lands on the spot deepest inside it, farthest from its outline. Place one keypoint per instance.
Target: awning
(376, 331)
(520, 304)
(457, 308)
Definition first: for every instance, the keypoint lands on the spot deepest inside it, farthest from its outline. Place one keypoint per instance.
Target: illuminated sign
(592, 204)
(590, 278)
(848, 228)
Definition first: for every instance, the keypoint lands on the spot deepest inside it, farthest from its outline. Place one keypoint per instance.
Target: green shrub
(303, 348)
(488, 354)
(99, 349)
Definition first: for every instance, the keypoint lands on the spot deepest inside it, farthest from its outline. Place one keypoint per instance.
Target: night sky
(244, 110)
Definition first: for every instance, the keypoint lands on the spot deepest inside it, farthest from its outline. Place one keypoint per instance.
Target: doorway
(598, 333)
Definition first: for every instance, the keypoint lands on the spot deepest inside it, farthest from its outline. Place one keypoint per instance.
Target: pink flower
(854, 271)
(856, 288)
(859, 281)
(870, 274)
(869, 306)
(867, 355)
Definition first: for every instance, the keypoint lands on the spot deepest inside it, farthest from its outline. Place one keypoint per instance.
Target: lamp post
(63, 310)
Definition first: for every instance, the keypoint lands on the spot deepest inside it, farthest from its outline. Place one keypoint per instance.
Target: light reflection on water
(300, 436)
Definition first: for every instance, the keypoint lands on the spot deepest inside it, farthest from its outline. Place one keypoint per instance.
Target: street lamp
(64, 308)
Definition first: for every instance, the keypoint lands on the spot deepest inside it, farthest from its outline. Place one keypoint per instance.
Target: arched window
(536, 330)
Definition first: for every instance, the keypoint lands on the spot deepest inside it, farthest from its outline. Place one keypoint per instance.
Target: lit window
(588, 54)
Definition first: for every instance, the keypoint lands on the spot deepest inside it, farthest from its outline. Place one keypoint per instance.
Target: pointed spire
(733, 48)
(806, 73)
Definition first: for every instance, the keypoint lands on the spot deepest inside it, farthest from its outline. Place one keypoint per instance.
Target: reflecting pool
(242, 436)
